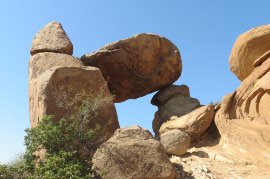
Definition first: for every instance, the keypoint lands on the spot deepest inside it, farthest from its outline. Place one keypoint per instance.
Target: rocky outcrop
(252, 98)
(59, 84)
(132, 153)
(172, 101)
(52, 38)
(244, 117)
(138, 65)
(247, 48)
(194, 123)
(175, 142)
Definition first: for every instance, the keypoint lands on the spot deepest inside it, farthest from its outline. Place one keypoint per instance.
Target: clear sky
(204, 32)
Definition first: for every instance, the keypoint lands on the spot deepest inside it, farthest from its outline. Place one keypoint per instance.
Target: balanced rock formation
(194, 123)
(52, 38)
(58, 83)
(132, 152)
(172, 101)
(247, 48)
(175, 142)
(138, 65)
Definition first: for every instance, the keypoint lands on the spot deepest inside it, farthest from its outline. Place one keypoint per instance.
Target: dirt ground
(208, 159)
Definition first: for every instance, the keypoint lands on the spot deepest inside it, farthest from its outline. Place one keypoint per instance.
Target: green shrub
(65, 141)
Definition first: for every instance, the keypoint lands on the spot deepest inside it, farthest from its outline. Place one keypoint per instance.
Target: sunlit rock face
(138, 65)
(132, 152)
(59, 83)
(52, 38)
(248, 47)
(244, 117)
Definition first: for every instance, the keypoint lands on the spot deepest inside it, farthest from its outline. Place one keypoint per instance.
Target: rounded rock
(175, 142)
(247, 48)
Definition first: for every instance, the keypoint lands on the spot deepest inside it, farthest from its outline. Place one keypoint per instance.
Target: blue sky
(204, 32)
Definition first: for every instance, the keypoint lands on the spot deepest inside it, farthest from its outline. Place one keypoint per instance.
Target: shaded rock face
(166, 93)
(52, 38)
(133, 153)
(175, 142)
(247, 48)
(137, 66)
(172, 101)
(59, 83)
(194, 123)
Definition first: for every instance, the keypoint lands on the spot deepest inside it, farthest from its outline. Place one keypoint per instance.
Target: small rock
(175, 142)
(52, 38)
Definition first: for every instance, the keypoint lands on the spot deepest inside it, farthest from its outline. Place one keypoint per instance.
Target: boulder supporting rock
(41, 62)
(172, 101)
(59, 90)
(137, 66)
(194, 123)
(166, 93)
(133, 153)
(175, 142)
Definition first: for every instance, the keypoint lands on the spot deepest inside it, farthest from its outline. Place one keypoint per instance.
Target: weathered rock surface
(252, 98)
(41, 62)
(133, 153)
(175, 142)
(247, 48)
(59, 90)
(166, 93)
(244, 117)
(138, 65)
(178, 103)
(52, 38)
(194, 123)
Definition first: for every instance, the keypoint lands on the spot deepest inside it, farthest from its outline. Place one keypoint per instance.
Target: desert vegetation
(54, 149)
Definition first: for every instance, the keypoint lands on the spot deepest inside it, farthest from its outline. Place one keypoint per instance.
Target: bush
(63, 144)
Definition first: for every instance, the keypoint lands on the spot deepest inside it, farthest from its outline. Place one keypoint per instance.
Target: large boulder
(247, 48)
(60, 91)
(137, 66)
(52, 38)
(172, 101)
(175, 142)
(55, 91)
(132, 153)
(194, 123)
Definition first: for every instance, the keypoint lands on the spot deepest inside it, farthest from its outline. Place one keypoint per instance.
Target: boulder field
(227, 140)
